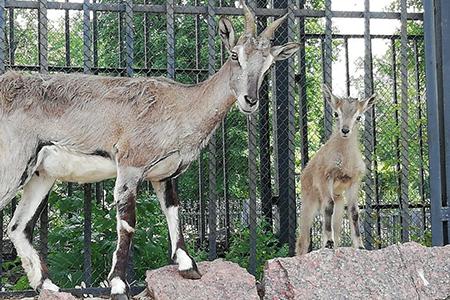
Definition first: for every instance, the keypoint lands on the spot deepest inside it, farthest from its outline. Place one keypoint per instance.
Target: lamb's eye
(234, 56)
(336, 114)
(358, 118)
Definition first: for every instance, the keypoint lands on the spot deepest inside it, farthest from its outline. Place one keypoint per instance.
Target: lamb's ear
(226, 31)
(285, 51)
(367, 103)
(331, 99)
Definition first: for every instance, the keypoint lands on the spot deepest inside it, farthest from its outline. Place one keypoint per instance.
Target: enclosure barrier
(244, 188)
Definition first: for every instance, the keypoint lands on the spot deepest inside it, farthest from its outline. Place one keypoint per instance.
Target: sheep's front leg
(353, 214)
(168, 199)
(125, 199)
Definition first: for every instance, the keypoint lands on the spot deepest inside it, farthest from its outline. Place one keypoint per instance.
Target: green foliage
(150, 242)
(267, 247)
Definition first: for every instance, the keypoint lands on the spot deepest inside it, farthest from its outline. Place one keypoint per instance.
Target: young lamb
(337, 168)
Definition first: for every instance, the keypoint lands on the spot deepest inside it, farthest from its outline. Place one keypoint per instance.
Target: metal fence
(244, 188)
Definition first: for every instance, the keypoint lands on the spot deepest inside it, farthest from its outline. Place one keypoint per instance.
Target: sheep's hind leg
(170, 204)
(21, 227)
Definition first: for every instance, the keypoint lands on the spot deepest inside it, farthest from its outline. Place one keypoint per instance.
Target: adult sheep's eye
(358, 118)
(336, 114)
(234, 56)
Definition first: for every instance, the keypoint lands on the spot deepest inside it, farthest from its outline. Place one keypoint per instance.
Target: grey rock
(220, 280)
(408, 271)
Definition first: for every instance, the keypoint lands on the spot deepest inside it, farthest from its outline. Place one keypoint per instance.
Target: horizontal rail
(111, 70)
(195, 10)
(134, 290)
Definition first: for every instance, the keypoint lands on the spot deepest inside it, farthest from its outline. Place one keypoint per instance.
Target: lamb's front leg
(327, 210)
(125, 199)
(353, 214)
(168, 199)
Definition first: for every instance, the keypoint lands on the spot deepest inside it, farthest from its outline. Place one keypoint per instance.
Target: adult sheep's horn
(250, 26)
(270, 30)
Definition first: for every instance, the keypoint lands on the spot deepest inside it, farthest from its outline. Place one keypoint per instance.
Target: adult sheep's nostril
(250, 101)
(345, 130)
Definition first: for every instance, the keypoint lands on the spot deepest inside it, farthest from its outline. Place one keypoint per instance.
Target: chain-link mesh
(241, 197)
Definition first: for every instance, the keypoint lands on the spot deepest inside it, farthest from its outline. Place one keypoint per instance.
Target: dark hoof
(361, 248)
(119, 297)
(191, 274)
(329, 244)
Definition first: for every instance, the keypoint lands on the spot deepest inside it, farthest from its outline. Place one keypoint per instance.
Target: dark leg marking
(170, 194)
(328, 213)
(355, 219)
(32, 162)
(127, 213)
(329, 244)
(29, 228)
(101, 153)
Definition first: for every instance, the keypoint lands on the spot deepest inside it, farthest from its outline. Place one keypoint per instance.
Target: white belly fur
(73, 166)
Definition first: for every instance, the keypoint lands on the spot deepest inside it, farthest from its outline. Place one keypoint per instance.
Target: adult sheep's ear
(226, 31)
(285, 51)
(331, 99)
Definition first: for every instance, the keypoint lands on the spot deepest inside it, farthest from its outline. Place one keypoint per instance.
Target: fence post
(285, 132)
(87, 65)
(437, 51)
(212, 147)
(368, 132)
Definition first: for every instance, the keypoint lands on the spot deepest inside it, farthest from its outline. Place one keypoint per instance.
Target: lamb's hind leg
(307, 213)
(21, 227)
(170, 204)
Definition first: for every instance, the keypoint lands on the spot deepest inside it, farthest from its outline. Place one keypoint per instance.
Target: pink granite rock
(220, 280)
(408, 271)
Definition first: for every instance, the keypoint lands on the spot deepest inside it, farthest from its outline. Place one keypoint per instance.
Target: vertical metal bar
(67, 35)
(264, 139)
(327, 66)
(170, 39)
(87, 40)
(95, 37)
(252, 125)
(202, 204)
(212, 147)
(404, 123)
(445, 35)
(146, 38)
(129, 50)
(2, 62)
(396, 118)
(43, 37)
(120, 33)
(87, 65)
(129, 37)
(12, 39)
(303, 122)
(368, 132)
(420, 132)
(435, 115)
(285, 85)
(347, 68)
(226, 197)
(87, 210)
